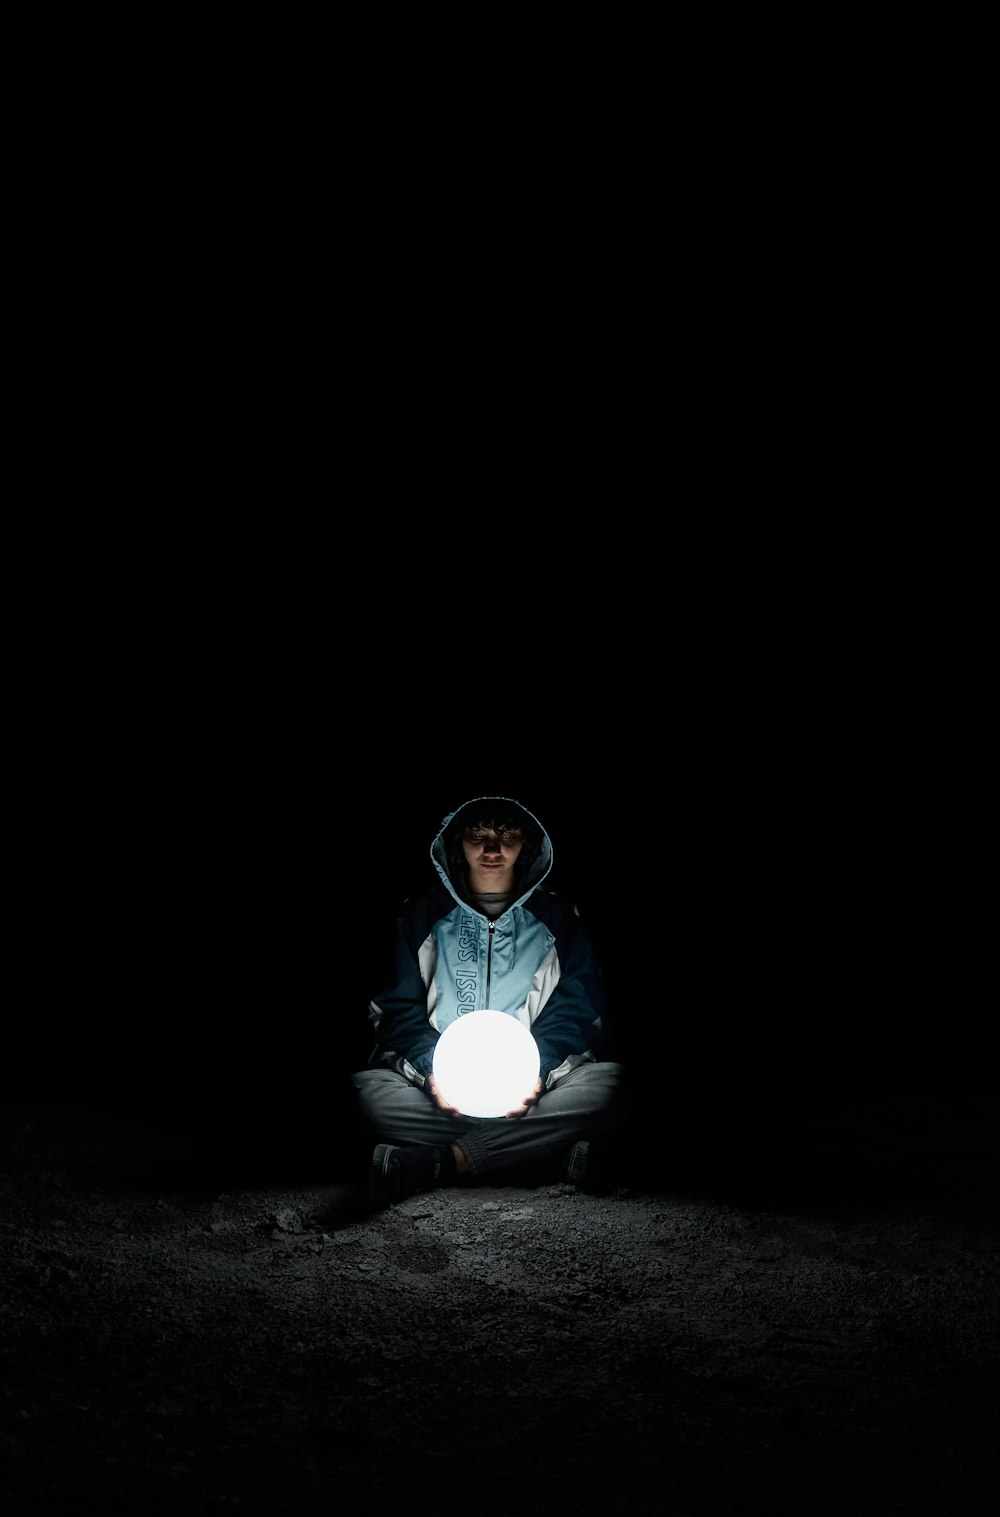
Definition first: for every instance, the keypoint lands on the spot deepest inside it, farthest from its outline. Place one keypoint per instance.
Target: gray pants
(587, 1101)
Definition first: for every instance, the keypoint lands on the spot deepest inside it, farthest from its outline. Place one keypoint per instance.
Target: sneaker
(576, 1164)
(397, 1172)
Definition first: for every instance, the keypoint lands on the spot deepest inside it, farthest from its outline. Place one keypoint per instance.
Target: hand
(439, 1101)
(528, 1101)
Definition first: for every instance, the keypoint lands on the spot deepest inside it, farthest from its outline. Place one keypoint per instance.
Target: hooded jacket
(535, 962)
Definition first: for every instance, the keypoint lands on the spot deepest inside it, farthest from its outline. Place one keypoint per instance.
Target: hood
(446, 849)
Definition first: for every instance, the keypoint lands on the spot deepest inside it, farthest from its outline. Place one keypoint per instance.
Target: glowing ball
(485, 1063)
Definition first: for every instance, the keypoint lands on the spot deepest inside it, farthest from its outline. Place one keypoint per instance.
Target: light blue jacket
(535, 962)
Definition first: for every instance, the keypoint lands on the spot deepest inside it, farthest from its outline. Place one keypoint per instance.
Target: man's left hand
(528, 1101)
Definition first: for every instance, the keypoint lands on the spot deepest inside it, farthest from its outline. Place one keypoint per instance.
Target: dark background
(769, 813)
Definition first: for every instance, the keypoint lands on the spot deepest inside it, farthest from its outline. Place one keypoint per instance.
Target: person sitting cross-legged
(488, 934)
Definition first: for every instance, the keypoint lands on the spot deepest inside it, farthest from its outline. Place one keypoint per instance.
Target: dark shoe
(576, 1164)
(400, 1171)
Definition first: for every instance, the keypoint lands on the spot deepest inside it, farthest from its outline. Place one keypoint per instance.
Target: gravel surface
(280, 1349)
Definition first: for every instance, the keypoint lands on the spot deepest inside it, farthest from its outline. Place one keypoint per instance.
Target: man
(487, 935)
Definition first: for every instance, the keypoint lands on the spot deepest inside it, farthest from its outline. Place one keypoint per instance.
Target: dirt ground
(177, 1340)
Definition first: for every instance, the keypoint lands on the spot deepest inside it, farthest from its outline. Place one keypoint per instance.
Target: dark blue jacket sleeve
(403, 1031)
(572, 1019)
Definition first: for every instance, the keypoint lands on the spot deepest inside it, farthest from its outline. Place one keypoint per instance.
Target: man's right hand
(438, 1099)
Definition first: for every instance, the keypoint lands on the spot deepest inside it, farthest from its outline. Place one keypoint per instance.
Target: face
(491, 855)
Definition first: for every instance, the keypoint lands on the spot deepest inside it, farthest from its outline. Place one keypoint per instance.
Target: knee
(609, 1087)
(374, 1087)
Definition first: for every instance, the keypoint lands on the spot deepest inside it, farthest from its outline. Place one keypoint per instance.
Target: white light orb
(486, 1063)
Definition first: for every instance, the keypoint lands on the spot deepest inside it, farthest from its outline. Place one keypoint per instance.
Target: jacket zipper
(489, 962)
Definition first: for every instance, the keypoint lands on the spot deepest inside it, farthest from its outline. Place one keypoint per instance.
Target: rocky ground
(177, 1340)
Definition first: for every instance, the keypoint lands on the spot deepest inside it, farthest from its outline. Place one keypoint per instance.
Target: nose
(491, 845)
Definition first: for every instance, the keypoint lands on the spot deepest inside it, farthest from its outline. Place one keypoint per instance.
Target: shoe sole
(578, 1160)
(379, 1185)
